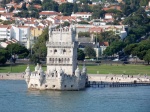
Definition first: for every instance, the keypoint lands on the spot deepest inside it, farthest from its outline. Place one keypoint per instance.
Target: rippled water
(14, 97)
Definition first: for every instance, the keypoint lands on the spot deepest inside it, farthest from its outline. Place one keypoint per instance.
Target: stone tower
(62, 50)
(62, 71)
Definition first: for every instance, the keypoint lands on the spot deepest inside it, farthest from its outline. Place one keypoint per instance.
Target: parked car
(116, 59)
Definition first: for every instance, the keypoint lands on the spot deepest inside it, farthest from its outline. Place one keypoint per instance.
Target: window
(45, 85)
(55, 51)
(65, 86)
(71, 85)
(53, 86)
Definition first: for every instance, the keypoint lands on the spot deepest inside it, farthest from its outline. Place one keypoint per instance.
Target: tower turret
(77, 72)
(27, 74)
(41, 75)
(37, 67)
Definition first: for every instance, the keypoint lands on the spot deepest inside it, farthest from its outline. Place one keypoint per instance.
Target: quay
(98, 80)
(111, 80)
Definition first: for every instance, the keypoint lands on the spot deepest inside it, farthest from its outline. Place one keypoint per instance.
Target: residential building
(5, 32)
(83, 15)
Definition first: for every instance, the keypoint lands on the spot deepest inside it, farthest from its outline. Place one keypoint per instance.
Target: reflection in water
(14, 97)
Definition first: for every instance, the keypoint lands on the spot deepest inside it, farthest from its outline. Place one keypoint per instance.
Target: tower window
(65, 86)
(71, 85)
(53, 86)
(55, 51)
(64, 51)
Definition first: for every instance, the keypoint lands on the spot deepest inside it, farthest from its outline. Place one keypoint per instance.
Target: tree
(24, 6)
(66, 8)
(143, 2)
(83, 22)
(18, 49)
(84, 34)
(4, 55)
(90, 52)
(147, 56)
(39, 49)
(115, 47)
(50, 5)
(11, 9)
(81, 55)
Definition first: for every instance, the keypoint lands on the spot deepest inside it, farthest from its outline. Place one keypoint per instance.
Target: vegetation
(91, 69)
(81, 55)
(39, 49)
(18, 49)
(84, 34)
(90, 52)
(4, 55)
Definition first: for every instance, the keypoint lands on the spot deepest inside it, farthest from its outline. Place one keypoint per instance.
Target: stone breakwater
(91, 77)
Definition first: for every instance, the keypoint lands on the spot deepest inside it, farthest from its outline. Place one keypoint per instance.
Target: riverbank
(118, 78)
(91, 77)
(11, 76)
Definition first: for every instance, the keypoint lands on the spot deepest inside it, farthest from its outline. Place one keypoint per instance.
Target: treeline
(11, 51)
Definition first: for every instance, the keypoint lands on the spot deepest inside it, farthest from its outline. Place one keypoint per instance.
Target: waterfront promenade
(91, 77)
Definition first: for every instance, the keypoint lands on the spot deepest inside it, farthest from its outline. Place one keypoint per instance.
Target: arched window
(55, 60)
(55, 51)
(64, 51)
(68, 60)
(50, 60)
(59, 60)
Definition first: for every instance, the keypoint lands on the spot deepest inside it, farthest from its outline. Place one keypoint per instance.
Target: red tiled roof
(104, 44)
(49, 13)
(83, 13)
(96, 29)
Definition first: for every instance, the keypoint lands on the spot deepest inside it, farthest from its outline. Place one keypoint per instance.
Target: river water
(14, 97)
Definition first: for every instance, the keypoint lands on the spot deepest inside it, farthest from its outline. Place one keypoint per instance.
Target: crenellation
(62, 72)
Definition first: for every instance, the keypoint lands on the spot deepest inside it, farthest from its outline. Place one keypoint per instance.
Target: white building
(71, 1)
(83, 15)
(62, 71)
(21, 34)
(4, 32)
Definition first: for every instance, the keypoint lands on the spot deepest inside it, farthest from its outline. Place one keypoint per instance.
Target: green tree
(50, 5)
(4, 55)
(66, 8)
(24, 6)
(143, 2)
(39, 49)
(83, 22)
(114, 48)
(84, 34)
(11, 9)
(147, 56)
(18, 49)
(81, 55)
(90, 52)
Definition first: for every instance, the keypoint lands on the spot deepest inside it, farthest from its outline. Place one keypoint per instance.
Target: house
(2, 10)
(96, 30)
(83, 15)
(108, 16)
(6, 16)
(103, 46)
(49, 14)
(36, 31)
